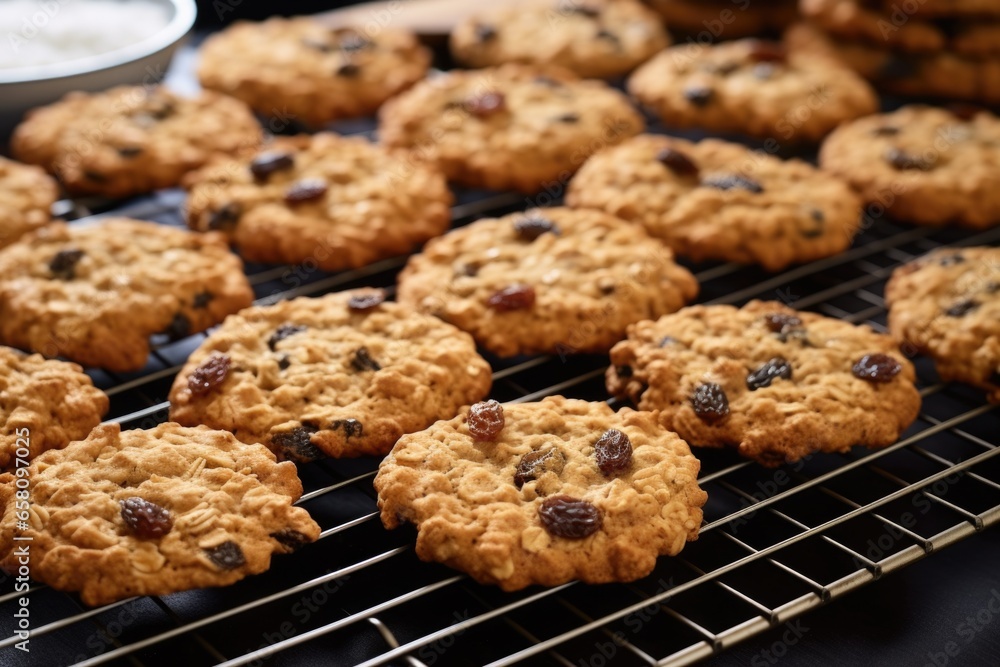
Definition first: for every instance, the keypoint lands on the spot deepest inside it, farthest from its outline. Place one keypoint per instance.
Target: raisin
(225, 218)
(485, 33)
(363, 361)
(534, 463)
(885, 131)
(485, 105)
(782, 323)
(515, 297)
(95, 176)
(227, 556)
(63, 265)
(270, 162)
(733, 181)
(677, 162)
(624, 371)
(698, 95)
(900, 159)
(201, 300)
(284, 361)
(308, 189)
(962, 308)
(179, 327)
(210, 374)
(349, 70)
(817, 222)
(291, 540)
(563, 516)
(362, 303)
(283, 332)
(146, 520)
(129, 152)
(710, 403)
(352, 427)
(469, 270)
(296, 445)
(762, 51)
(609, 36)
(585, 10)
(485, 420)
(763, 376)
(568, 118)
(964, 111)
(952, 259)
(613, 452)
(530, 227)
(879, 368)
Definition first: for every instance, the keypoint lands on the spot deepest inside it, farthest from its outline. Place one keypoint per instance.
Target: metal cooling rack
(775, 543)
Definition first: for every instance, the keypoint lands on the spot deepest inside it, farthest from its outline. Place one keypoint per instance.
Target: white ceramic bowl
(140, 63)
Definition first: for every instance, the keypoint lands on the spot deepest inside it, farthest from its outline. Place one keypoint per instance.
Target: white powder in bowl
(40, 32)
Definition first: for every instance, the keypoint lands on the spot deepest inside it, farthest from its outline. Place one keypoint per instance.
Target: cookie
(751, 87)
(897, 30)
(947, 305)
(724, 19)
(336, 202)
(44, 405)
(715, 200)
(920, 164)
(508, 128)
(941, 75)
(544, 493)
(343, 375)
(898, 13)
(151, 512)
(774, 383)
(96, 293)
(551, 280)
(8, 498)
(302, 70)
(130, 140)
(26, 197)
(600, 38)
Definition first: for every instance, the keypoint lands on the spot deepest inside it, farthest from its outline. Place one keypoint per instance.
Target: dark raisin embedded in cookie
(951, 260)
(609, 36)
(766, 374)
(227, 556)
(613, 452)
(530, 227)
(270, 162)
(535, 462)
(210, 374)
(485, 105)
(129, 152)
(585, 10)
(179, 327)
(364, 302)
(515, 297)
(563, 516)
(878, 368)
(962, 308)
(349, 70)
(624, 371)
(225, 218)
(762, 51)
(568, 118)
(782, 323)
(900, 159)
(362, 361)
(351, 427)
(63, 265)
(677, 162)
(201, 300)
(731, 182)
(699, 95)
(291, 540)
(145, 520)
(485, 33)
(283, 332)
(485, 420)
(710, 403)
(816, 224)
(886, 131)
(308, 189)
(284, 361)
(296, 445)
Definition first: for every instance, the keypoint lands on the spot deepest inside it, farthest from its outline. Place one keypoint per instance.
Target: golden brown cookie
(130, 140)
(947, 305)
(597, 38)
(342, 375)
(921, 164)
(775, 383)
(551, 280)
(26, 197)
(44, 404)
(96, 293)
(8, 501)
(751, 87)
(150, 512)
(301, 70)
(336, 202)
(544, 493)
(508, 128)
(722, 201)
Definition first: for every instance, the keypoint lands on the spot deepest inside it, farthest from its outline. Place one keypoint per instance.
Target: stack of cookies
(937, 48)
